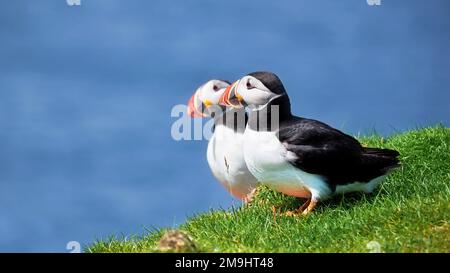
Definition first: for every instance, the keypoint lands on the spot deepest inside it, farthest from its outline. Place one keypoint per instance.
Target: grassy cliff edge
(410, 212)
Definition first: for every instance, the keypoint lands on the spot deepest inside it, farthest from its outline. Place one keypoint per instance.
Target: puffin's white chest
(264, 153)
(226, 161)
(268, 160)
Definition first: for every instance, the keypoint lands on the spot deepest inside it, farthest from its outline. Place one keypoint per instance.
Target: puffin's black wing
(338, 157)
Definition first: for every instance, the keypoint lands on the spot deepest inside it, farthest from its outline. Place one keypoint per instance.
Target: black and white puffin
(224, 154)
(297, 156)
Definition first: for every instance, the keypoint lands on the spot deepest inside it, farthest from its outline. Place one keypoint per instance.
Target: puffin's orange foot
(291, 213)
(304, 209)
(304, 206)
(312, 204)
(297, 212)
(274, 210)
(249, 197)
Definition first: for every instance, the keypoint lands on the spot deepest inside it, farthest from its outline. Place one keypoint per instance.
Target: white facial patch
(258, 94)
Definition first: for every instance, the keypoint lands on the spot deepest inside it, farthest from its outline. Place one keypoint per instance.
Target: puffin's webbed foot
(304, 209)
(249, 198)
(312, 204)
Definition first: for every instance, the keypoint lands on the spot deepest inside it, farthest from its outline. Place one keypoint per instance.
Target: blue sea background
(86, 94)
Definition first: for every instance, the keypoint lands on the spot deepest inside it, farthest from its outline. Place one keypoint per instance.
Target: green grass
(410, 212)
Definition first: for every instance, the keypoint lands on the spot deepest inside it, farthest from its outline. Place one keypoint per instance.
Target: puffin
(224, 153)
(298, 156)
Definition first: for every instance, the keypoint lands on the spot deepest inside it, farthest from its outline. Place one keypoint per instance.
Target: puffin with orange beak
(297, 156)
(224, 154)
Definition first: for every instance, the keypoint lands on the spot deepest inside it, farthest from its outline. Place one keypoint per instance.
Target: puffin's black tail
(377, 162)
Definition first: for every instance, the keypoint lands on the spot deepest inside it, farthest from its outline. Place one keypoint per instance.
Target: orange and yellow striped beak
(193, 111)
(231, 98)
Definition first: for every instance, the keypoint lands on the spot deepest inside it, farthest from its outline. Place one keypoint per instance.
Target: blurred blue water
(86, 94)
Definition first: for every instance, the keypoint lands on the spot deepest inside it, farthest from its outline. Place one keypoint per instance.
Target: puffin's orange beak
(192, 110)
(231, 97)
(224, 98)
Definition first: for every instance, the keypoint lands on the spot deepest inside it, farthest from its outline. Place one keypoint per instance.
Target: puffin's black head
(256, 89)
(270, 80)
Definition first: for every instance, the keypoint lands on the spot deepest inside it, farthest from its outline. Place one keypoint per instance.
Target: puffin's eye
(215, 88)
(249, 85)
